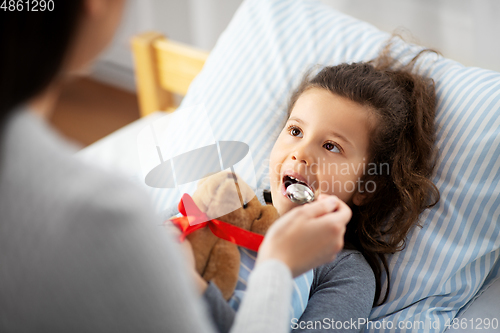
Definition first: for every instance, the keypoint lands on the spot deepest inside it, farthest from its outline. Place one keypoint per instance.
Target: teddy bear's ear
(201, 181)
(204, 179)
(209, 189)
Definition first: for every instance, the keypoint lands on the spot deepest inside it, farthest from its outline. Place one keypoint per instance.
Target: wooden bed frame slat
(163, 68)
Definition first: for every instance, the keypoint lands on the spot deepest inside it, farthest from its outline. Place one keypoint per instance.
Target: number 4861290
(27, 5)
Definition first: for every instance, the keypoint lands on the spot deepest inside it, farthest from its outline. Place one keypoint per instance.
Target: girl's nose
(302, 155)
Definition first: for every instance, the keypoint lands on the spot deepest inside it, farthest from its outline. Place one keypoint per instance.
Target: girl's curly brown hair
(404, 138)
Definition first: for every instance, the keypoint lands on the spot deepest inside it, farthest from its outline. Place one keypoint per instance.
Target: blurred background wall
(464, 30)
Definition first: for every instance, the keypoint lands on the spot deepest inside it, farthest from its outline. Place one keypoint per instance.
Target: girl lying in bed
(365, 133)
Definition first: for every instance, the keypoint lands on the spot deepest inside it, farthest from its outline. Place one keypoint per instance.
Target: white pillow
(245, 86)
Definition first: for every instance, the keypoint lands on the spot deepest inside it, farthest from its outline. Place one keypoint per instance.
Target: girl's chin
(283, 205)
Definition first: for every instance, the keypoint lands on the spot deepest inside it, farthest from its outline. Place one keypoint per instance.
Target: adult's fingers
(342, 214)
(302, 246)
(326, 204)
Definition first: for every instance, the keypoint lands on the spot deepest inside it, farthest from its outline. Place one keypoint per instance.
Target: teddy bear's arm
(223, 267)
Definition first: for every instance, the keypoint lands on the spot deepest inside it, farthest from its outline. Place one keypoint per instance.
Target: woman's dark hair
(404, 105)
(34, 46)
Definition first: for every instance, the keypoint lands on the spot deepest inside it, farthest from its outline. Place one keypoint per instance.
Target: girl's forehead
(327, 113)
(324, 105)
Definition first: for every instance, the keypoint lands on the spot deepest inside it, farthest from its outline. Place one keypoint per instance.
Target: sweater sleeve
(264, 307)
(341, 296)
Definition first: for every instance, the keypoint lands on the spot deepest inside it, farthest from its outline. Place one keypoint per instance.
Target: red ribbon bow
(189, 224)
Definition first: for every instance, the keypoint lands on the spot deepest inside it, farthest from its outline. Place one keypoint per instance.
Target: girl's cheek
(274, 160)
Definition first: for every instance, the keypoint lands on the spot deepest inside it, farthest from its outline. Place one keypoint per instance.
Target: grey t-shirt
(82, 251)
(342, 292)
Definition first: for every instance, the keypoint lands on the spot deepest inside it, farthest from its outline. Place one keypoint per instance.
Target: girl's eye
(332, 147)
(295, 131)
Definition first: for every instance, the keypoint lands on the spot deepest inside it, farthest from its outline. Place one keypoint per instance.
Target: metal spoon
(299, 193)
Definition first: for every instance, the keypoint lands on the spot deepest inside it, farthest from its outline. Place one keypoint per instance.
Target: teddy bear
(216, 259)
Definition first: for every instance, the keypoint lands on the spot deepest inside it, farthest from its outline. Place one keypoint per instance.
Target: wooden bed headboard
(163, 68)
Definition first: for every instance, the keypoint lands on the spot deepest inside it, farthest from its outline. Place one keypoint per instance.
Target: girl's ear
(359, 199)
(95, 8)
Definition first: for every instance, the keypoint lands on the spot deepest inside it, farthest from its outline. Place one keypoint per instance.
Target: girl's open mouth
(289, 180)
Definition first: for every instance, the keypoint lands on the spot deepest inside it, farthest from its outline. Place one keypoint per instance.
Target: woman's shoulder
(43, 180)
